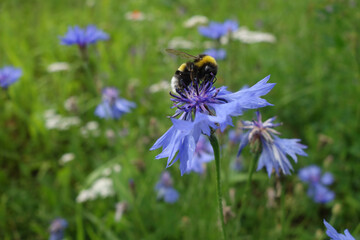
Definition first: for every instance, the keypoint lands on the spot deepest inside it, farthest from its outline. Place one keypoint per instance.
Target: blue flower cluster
(201, 109)
(334, 235)
(317, 183)
(165, 190)
(112, 106)
(9, 75)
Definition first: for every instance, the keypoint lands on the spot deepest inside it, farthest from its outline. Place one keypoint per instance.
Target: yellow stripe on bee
(204, 60)
(182, 67)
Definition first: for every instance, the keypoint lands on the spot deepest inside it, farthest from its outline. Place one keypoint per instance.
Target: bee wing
(180, 53)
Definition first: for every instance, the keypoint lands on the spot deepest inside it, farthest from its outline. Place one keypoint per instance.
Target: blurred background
(53, 147)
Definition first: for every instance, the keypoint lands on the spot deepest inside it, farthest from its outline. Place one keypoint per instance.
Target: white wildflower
(91, 128)
(246, 36)
(117, 168)
(56, 121)
(160, 86)
(67, 157)
(180, 42)
(102, 187)
(195, 21)
(71, 104)
(58, 66)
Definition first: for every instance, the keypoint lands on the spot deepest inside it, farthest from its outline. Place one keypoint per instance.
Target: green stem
(215, 146)
(245, 195)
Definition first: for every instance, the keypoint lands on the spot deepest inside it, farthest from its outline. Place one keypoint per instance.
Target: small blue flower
(202, 108)
(216, 30)
(218, 54)
(320, 193)
(112, 106)
(204, 153)
(317, 182)
(83, 37)
(334, 235)
(312, 175)
(165, 190)
(9, 75)
(57, 228)
(274, 149)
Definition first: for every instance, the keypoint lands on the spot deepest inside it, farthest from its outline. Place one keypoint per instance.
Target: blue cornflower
(57, 228)
(216, 30)
(201, 109)
(9, 75)
(204, 153)
(334, 235)
(320, 193)
(312, 175)
(165, 190)
(274, 149)
(83, 37)
(112, 106)
(218, 54)
(317, 183)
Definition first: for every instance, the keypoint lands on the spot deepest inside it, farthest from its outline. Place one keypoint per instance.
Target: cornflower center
(197, 97)
(110, 95)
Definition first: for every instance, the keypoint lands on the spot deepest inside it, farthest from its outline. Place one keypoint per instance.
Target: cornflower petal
(327, 179)
(244, 140)
(334, 235)
(290, 147)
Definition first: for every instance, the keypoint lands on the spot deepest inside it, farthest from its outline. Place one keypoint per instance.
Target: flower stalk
(215, 144)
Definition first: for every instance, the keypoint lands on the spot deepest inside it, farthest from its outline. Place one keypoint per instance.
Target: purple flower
(201, 109)
(216, 30)
(57, 228)
(112, 106)
(334, 235)
(83, 37)
(317, 189)
(274, 149)
(203, 154)
(9, 75)
(218, 54)
(165, 190)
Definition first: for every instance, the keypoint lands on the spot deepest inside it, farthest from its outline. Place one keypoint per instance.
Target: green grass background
(315, 63)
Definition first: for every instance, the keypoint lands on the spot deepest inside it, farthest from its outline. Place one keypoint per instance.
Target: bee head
(210, 70)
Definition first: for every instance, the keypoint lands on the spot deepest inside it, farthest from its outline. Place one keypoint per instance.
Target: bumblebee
(202, 68)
